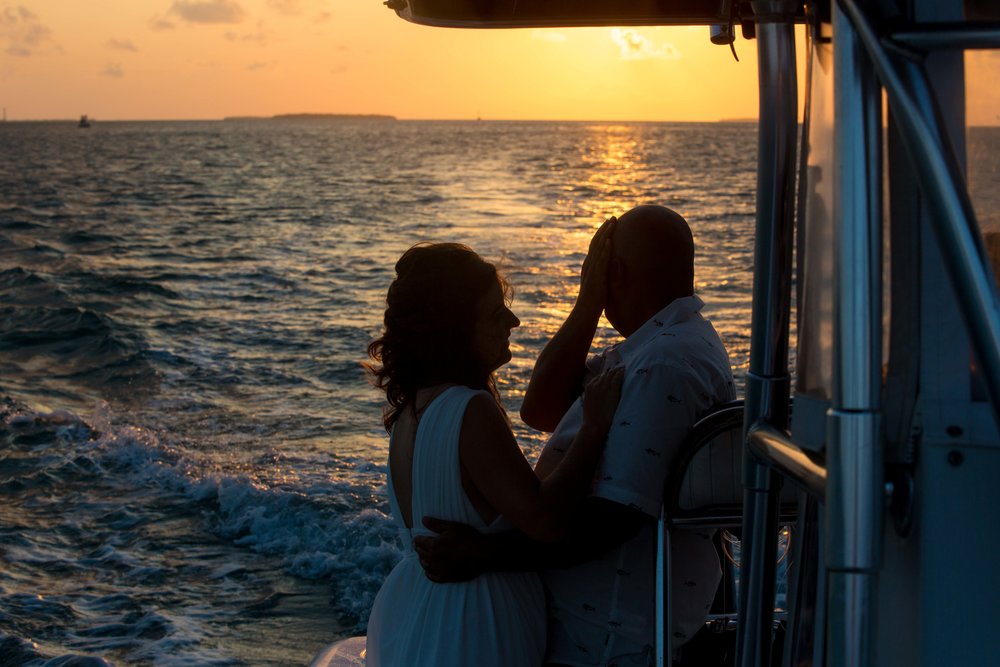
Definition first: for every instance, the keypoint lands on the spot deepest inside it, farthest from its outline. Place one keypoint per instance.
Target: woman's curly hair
(430, 320)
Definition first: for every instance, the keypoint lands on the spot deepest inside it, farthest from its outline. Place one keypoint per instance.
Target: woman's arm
(496, 467)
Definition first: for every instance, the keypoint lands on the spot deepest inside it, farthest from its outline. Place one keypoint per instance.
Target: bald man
(600, 576)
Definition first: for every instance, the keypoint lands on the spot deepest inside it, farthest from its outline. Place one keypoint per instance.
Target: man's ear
(617, 273)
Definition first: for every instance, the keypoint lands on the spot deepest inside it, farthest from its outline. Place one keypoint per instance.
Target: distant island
(315, 116)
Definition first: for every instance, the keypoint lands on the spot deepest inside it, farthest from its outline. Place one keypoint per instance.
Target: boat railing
(853, 486)
(915, 110)
(704, 491)
(946, 35)
(805, 468)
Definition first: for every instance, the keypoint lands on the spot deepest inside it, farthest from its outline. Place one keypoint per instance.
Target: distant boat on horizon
(84, 121)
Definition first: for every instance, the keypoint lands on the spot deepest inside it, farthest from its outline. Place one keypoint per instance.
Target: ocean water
(191, 459)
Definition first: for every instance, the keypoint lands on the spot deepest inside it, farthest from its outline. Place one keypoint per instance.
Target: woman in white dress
(452, 456)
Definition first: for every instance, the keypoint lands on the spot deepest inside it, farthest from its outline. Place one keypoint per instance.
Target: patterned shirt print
(676, 370)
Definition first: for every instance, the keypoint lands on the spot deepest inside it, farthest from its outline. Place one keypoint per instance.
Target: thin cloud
(22, 32)
(286, 7)
(260, 37)
(302, 8)
(159, 23)
(113, 70)
(208, 11)
(121, 45)
(548, 36)
(636, 46)
(982, 58)
(258, 65)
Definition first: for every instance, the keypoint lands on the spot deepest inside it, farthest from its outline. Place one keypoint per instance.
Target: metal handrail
(932, 36)
(722, 418)
(727, 417)
(775, 448)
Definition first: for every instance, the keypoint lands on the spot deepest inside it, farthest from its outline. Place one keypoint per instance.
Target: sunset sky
(203, 59)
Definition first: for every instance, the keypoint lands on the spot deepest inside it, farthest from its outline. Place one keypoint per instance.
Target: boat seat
(705, 491)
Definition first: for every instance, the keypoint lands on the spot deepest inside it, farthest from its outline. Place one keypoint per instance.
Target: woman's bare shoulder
(483, 411)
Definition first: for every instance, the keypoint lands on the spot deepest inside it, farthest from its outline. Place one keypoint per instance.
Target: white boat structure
(887, 440)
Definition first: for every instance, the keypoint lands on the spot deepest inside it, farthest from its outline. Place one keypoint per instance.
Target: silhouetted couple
(508, 566)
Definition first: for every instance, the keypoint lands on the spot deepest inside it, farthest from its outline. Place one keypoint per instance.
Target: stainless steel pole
(854, 455)
(768, 381)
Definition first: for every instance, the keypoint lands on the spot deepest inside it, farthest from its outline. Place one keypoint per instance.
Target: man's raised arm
(557, 378)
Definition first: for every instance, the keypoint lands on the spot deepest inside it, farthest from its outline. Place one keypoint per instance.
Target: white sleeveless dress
(497, 618)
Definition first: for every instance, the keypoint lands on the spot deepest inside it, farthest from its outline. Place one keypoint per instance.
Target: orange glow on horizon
(205, 59)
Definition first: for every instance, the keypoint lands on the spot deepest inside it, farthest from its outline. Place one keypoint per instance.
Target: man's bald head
(655, 245)
(652, 264)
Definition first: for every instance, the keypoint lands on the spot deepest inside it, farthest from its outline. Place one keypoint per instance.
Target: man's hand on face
(594, 275)
(456, 553)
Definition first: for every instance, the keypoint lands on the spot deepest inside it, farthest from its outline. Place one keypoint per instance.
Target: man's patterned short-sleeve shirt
(676, 370)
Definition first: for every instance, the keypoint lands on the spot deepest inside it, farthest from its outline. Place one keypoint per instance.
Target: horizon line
(373, 116)
(388, 118)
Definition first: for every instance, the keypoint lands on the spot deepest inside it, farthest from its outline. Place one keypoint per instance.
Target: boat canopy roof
(569, 13)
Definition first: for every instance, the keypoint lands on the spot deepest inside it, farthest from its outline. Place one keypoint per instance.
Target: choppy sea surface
(191, 459)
